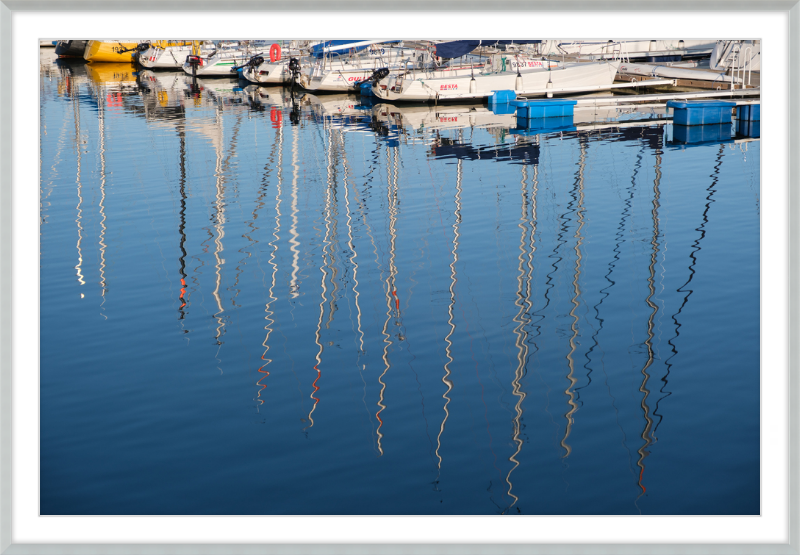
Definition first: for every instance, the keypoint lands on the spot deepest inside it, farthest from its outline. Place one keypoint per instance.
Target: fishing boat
(565, 78)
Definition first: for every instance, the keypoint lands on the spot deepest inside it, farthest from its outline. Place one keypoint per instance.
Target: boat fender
(275, 53)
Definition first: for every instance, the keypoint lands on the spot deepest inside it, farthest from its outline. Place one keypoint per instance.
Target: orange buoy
(275, 53)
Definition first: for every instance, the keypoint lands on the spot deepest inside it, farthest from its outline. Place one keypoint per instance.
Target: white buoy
(549, 86)
(518, 83)
(473, 86)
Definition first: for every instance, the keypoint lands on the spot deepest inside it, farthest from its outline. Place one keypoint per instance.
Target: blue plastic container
(695, 134)
(747, 128)
(549, 108)
(502, 97)
(528, 126)
(503, 109)
(749, 112)
(701, 112)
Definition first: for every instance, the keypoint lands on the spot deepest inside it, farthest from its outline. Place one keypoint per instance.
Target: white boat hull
(573, 77)
(269, 73)
(172, 57)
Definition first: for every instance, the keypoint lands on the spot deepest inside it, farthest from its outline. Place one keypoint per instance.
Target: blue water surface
(255, 306)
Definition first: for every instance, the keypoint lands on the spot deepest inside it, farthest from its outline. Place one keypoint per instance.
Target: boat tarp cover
(457, 48)
(318, 50)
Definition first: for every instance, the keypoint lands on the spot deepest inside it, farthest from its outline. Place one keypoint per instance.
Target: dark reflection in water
(318, 305)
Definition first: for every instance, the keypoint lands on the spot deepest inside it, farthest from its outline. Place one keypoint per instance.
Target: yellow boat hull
(109, 51)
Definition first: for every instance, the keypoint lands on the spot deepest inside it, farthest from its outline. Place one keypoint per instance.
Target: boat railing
(743, 66)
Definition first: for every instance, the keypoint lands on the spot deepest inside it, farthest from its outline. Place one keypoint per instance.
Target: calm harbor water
(250, 306)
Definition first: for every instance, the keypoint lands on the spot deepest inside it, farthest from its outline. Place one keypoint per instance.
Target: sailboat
(159, 56)
(220, 62)
(479, 83)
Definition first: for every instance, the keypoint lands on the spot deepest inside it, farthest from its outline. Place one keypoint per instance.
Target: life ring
(275, 53)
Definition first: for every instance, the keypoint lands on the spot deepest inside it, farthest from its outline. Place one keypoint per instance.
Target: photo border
(7, 9)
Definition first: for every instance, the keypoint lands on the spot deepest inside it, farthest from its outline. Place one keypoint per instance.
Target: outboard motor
(294, 68)
(376, 76)
(141, 47)
(194, 61)
(253, 62)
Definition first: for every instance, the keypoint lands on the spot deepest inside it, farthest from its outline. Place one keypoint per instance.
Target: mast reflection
(183, 297)
(524, 302)
(327, 262)
(76, 108)
(103, 288)
(696, 248)
(268, 312)
(449, 347)
(646, 432)
(576, 289)
(390, 289)
(219, 226)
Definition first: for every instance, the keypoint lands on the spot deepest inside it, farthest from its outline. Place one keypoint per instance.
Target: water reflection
(575, 304)
(557, 245)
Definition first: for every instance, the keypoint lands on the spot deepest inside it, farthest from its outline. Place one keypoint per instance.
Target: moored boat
(172, 55)
(119, 51)
(220, 62)
(71, 48)
(567, 78)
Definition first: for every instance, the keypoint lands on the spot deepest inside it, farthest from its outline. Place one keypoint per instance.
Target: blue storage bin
(750, 112)
(528, 126)
(549, 108)
(747, 128)
(701, 112)
(694, 134)
(503, 109)
(502, 97)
